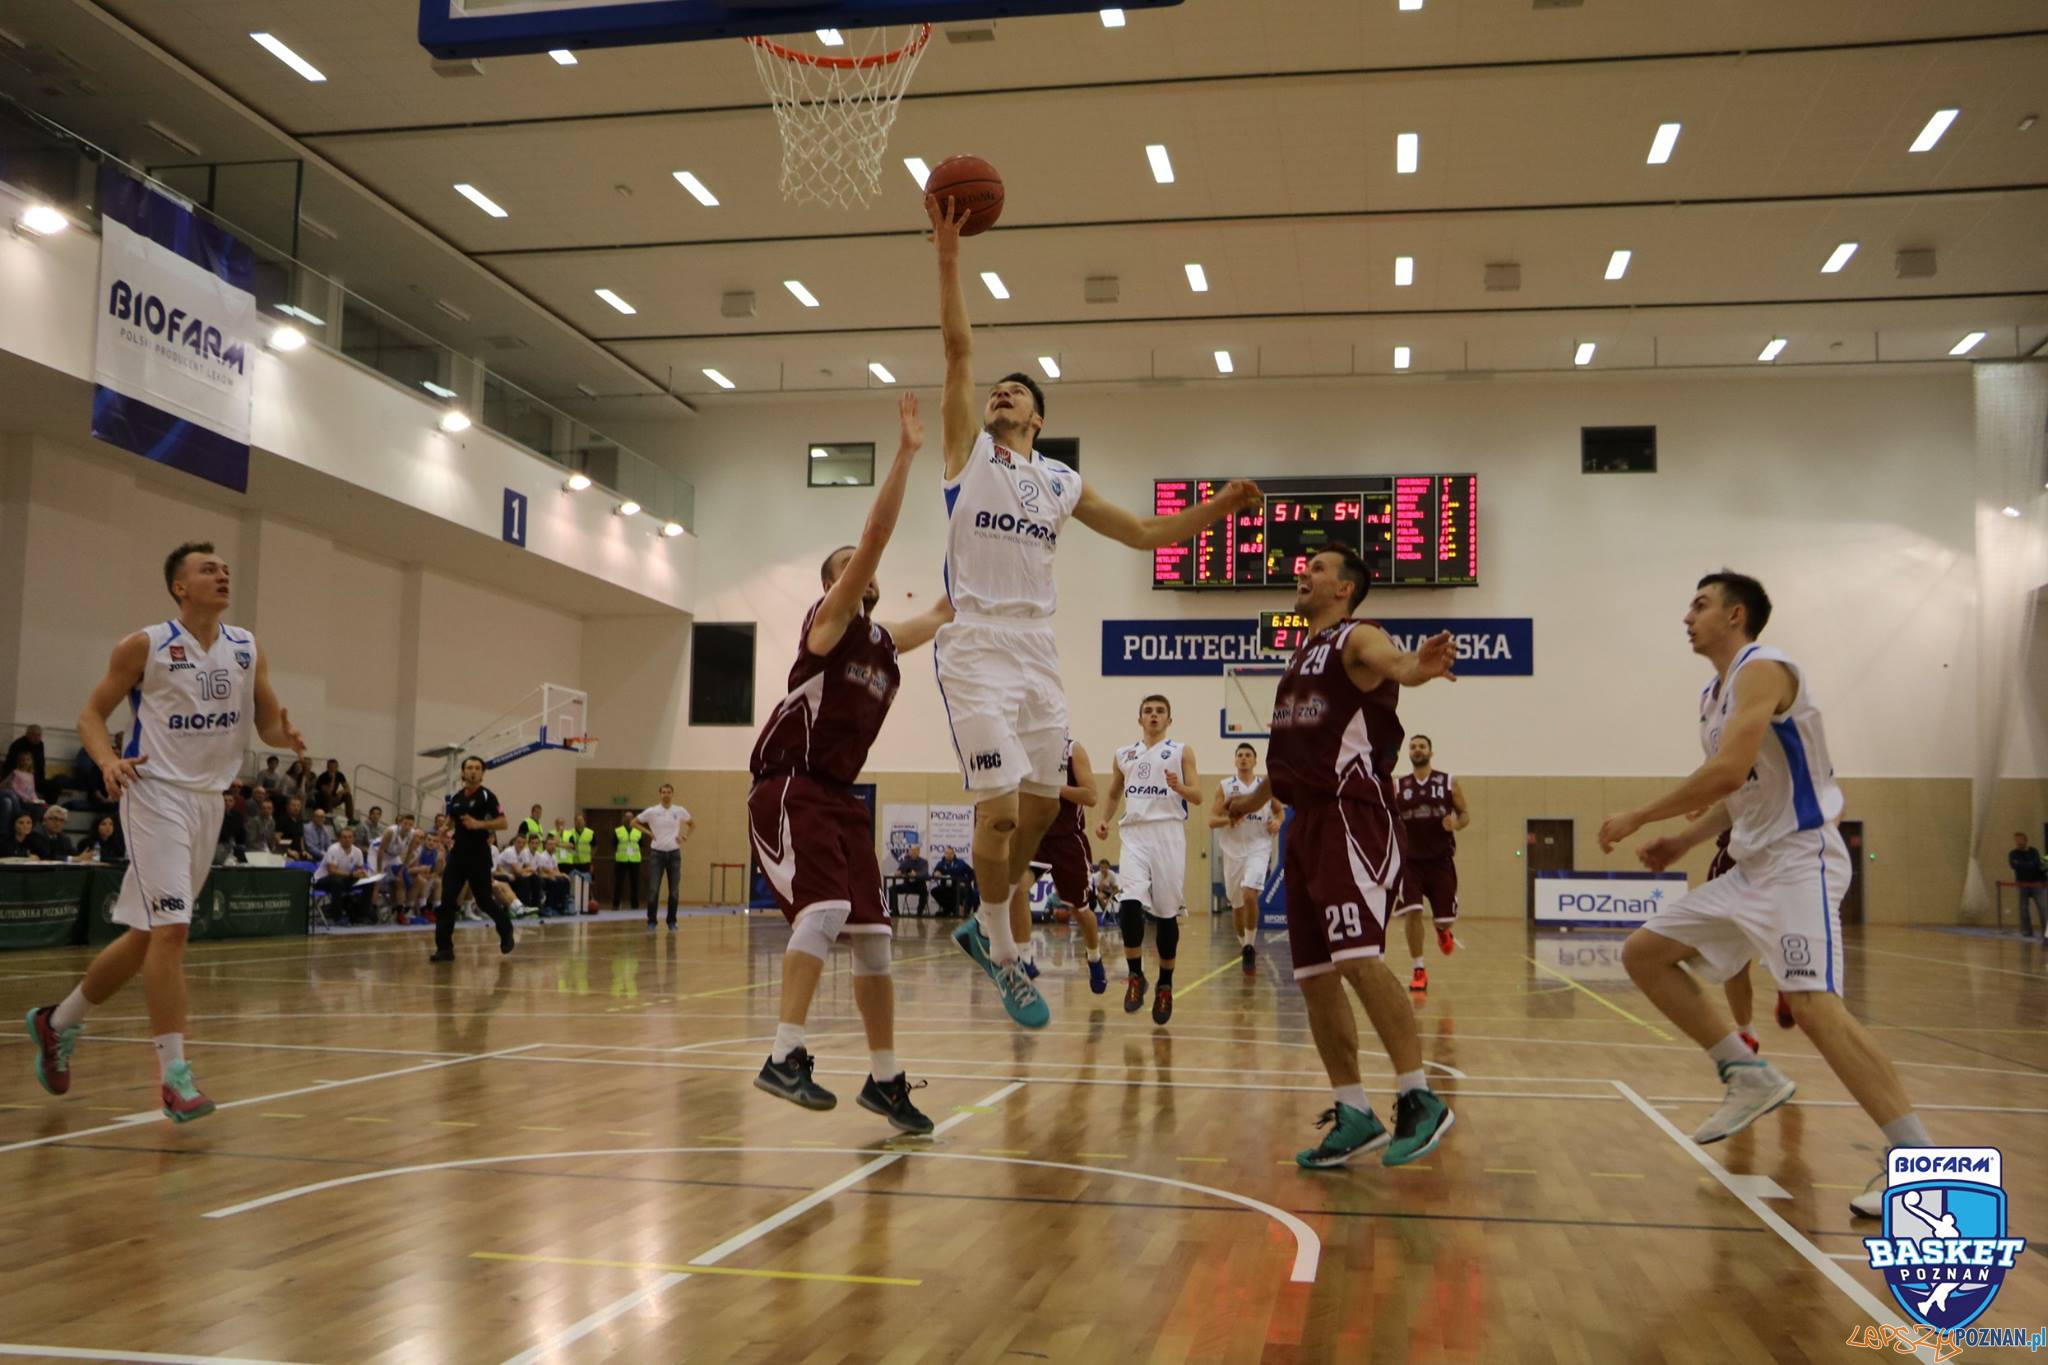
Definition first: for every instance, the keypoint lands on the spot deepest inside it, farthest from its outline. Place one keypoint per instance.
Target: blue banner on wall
(1488, 646)
(172, 360)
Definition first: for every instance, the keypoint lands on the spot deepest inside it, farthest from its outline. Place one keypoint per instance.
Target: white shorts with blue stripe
(171, 832)
(1781, 906)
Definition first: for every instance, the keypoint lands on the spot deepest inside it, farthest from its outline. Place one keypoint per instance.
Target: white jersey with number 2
(194, 708)
(1004, 515)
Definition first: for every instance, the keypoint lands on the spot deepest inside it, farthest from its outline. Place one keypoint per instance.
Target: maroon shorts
(1343, 868)
(815, 845)
(1067, 854)
(1434, 882)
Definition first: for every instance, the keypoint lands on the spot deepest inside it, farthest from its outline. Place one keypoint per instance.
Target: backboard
(1248, 694)
(451, 29)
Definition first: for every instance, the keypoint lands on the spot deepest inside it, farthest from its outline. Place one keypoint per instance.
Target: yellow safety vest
(577, 841)
(629, 843)
(531, 828)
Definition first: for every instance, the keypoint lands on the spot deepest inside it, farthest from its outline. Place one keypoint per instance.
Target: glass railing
(48, 162)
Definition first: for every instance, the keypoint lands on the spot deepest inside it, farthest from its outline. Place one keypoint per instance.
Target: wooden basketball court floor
(559, 1156)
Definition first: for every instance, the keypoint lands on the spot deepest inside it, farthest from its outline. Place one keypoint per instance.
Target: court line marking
(1595, 995)
(1947, 962)
(695, 1269)
(578, 1330)
(1186, 990)
(15, 1348)
(1792, 1237)
(129, 1121)
(283, 1047)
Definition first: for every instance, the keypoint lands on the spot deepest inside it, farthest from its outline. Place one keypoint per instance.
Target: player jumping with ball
(998, 666)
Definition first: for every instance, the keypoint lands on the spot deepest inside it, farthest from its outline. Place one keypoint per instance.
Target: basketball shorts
(1435, 883)
(1781, 906)
(1247, 870)
(1000, 682)
(171, 835)
(1154, 867)
(1343, 868)
(1066, 855)
(815, 846)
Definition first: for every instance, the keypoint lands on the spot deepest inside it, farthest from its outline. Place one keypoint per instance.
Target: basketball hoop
(835, 113)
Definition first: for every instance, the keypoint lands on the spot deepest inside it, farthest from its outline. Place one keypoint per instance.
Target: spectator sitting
(331, 789)
(370, 829)
(548, 878)
(104, 844)
(271, 781)
(298, 777)
(85, 777)
(912, 874)
(396, 850)
(956, 893)
(21, 781)
(424, 876)
(319, 835)
(14, 842)
(510, 870)
(232, 844)
(291, 830)
(50, 843)
(259, 831)
(340, 870)
(30, 743)
(1106, 889)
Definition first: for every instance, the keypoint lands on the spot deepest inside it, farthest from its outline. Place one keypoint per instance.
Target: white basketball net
(835, 112)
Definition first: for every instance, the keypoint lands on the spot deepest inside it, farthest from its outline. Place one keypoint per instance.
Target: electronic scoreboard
(1413, 531)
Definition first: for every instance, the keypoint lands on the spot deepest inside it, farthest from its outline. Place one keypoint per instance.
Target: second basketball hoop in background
(972, 183)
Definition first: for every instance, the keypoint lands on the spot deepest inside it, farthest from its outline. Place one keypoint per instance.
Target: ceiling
(1281, 119)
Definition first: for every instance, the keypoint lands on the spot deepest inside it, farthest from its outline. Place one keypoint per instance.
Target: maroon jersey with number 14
(1423, 806)
(835, 707)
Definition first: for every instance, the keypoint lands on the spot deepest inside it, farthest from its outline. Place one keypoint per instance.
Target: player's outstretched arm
(1370, 655)
(1760, 690)
(124, 675)
(957, 425)
(1083, 792)
(920, 629)
(1105, 518)
(842, 599)
(273, 723)
(1250, 801)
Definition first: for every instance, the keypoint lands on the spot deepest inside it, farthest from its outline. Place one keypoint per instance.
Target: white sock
(1731, 1049)
(170, 1048)
(1418, 962)
(1410, 1080)
(1907, 1131)
(71, 1013)
(1354, 1095)
(1095, 954)
(995, 923)
(788, 1038)
(1245, 939)
(882, 1065)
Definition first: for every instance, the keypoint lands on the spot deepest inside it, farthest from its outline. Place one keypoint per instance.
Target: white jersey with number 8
(194, 708)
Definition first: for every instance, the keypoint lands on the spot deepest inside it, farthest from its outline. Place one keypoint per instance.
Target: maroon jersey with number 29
(835, 707)
(1331, 759)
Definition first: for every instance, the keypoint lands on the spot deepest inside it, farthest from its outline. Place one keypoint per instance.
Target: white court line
(282, 1047)
(1807, 1251)
(1851, 1104)
(128, 1121)
(11, 1348)
(1947, 962)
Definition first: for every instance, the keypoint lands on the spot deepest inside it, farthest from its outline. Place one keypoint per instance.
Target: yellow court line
(973, 1109)
(1104, 1156)
(452, 1123)
(1005, 1151)
(357, 1118)
(537, 1128)
(627, 1132)
(280, 1116)
(1619, 1175)
(1212, 1160)
(1181, 993)
(1508, 1170)
(695, 1269)
(1552, 971)
(715, 1137)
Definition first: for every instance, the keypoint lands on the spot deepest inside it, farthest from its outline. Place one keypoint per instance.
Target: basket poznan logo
(1944, 1252)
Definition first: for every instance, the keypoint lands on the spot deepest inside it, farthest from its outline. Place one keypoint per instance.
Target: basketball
(971, 181)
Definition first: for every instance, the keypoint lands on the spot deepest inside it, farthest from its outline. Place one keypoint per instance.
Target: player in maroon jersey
(1331, 760)
(1064, 851)
(812, 836)
(1433, 809)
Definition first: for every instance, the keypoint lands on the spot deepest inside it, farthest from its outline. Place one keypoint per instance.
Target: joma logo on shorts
(983, 763)
(1023, 526)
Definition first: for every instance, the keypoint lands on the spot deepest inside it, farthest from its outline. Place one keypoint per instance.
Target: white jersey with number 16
(194, 708)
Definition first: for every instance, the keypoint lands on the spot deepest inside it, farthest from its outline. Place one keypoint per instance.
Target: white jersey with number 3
(1791, 787)
(1004, 515)
(1146, 795)
(194, 708)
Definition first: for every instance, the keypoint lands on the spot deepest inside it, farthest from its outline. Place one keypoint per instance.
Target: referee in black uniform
(474, 812)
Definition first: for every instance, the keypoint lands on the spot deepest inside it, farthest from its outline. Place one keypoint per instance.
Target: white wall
(1847, 494)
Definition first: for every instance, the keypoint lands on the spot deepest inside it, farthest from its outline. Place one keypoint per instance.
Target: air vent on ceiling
(1503, 278)
(451, 310)
(507, 342)
(458, 69)
(737, 303)
(971, 32)
(1915, 263)
(1102, 289)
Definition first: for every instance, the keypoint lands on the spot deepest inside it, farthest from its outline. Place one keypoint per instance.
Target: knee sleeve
(1169, 938)
(817, 929)
(871, 955)
(1131, 918)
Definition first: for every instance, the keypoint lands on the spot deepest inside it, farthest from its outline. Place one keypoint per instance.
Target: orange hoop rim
(868, 63)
